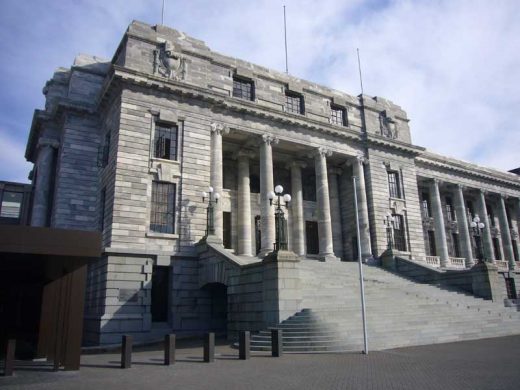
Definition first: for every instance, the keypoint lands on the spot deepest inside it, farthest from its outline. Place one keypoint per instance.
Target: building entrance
(160, 293)
(311, 233)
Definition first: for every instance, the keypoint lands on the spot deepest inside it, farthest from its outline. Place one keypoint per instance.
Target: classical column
(506, 233)
(517, 215)
(438, 220)
(42, 188)
(364, 225)
(266, 186)
(244, 204)
(323, 205)
(462, 220)
(298, 223)
(335, 211)
(216, 176)
(487, 242)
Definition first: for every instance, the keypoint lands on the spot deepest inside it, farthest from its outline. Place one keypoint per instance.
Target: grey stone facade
(95, 153)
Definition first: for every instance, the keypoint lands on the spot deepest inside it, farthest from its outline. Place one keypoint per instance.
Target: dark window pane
(399, 237)
(163, 207)
(243, 89)
(293, 103)
(337, 116)
(393, 185)
(165, 142)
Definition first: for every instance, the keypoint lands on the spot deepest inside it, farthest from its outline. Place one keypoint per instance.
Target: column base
(328, 257)
(281, 256)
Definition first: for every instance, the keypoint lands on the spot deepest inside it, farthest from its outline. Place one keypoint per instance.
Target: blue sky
(453, 65)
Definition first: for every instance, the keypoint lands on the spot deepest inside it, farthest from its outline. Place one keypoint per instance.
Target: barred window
(162, 216)
(399, 237)
(243, 88)
(450, 216)
(293, 103)
(337, 115)
(425, 205)
(393, 185)
(165, 141)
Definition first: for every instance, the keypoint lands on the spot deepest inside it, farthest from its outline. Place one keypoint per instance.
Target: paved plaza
(483, 364)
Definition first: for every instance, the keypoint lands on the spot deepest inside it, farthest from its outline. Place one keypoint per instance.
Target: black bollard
(169, 349)
(9, 357)
(126, 352)
(276, 342)
(209, 347)
(244, 345)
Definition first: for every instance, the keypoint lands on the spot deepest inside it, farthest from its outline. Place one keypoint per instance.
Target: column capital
(43, 142)
(269, 139)
(219, 128)
(361, 158)
(244, 154)
(334, 171)
(322, 152)
(296, 164)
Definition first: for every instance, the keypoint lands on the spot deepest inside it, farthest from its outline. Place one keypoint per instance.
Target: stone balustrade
(458, 262)
(433, 261)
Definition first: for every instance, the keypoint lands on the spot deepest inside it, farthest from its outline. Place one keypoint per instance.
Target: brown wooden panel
(75, 318)
(49, 241)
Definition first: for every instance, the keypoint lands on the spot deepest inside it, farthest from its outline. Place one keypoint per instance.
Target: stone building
(127, 146)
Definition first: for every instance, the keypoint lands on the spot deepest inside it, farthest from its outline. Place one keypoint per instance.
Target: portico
(253, 164)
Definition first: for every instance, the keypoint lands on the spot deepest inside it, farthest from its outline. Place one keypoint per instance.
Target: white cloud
(12, 160)
(452, 65)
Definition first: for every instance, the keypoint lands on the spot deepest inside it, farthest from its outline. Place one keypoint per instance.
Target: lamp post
(477, 228)
(388, 222)
(279, 217)
(212, 198)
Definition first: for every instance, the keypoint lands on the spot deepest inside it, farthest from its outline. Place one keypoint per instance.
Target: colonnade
(465, 240)
(327, 199)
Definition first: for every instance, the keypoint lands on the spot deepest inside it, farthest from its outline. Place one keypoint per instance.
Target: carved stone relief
(169, 63)
(388, 126)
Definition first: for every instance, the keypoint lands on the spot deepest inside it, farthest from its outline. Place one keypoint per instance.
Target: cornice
(474, 170)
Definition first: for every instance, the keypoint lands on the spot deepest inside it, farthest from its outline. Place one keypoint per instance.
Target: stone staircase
(400, 312)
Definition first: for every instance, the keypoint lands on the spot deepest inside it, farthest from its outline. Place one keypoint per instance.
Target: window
(454, 249)
(102, 201)
(399, 237)
(11, 206)
(491, 216)
(243, 88)
(165, 142)
(106, 150)
(496, 248)
(515, 250)
(337, 115)
(294, 103)
(393, 185)
(470, 209)
(450, 217)
(162, 214)
(425, 205)
(432, 250)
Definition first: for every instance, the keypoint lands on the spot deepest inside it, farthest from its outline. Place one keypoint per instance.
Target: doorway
(258, 234)
(218, 307)
(226, 230)
(311, 234)
(160, 293)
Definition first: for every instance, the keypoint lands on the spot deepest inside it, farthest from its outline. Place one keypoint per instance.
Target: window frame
(171, 129)
(157, 214)
(336, 108)
(399, 233)
(241, 81)
(289, 96)
(20, 208)
(394, 188)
